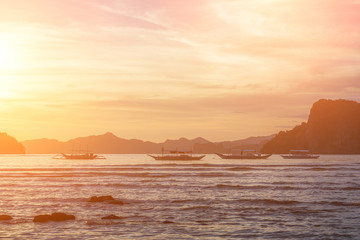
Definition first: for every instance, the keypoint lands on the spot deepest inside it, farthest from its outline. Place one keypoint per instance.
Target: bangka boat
(243, 154)
(177, 156)
(299, 154)
(84, 156)
(79, 154)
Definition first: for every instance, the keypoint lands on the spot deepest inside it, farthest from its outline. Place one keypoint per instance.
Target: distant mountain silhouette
(106, 143)
(183, 144)
(252, 143)
(333, 127)
(111, 144)
(9, 145)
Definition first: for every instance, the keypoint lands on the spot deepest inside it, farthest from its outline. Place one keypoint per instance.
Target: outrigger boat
(299, 154)
(81, 155)
(243, 154)
(85, 156)
(177, 156)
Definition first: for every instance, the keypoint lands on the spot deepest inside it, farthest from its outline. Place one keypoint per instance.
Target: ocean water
(207, 199)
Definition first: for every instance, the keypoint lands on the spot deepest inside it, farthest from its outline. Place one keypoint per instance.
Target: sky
(163, 69)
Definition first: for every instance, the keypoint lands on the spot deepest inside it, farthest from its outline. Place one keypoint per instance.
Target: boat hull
(177, 157)
(299, 157)
(87, 156)
(79, 158)
(224, 156)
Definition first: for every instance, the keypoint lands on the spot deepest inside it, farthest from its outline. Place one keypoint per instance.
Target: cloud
(334, 85)
(220, 62)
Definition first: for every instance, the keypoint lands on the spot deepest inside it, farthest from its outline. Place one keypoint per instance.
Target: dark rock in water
(5, 217)
(101, 199)
(107, 199)
(167, 222)
(112, 216)
(56, 217)
(42, 218)
(118, 202)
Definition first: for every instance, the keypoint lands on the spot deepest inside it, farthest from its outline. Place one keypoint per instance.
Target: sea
(208, 199)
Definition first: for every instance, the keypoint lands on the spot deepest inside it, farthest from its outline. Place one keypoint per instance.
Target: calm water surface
(208, 199)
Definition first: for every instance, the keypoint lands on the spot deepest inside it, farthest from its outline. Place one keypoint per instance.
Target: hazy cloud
(243, 65)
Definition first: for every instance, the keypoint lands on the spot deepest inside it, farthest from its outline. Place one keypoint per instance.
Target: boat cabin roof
(245, 150)
(299, 151)
(175, 152)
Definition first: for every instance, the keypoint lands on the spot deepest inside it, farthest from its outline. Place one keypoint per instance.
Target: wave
(310, 211)
(59, 176)
(226, 186)
(288, 188)
(241, 169)
(202, 207)
(345, 204)
(351, 189)
(280, 183)
(311, 184)
(324, 169)
(103, 222)
(269, 201)
(182, 201)
(206, 203)
(254, 187)
(215, 174)
(339, 188)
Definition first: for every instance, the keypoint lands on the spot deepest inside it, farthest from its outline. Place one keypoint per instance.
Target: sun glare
(7, 54)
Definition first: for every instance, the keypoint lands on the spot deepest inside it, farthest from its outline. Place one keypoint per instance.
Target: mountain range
(108, 143)
(333, 127)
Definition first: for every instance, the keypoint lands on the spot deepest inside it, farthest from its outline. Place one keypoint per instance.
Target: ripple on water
(282, 199)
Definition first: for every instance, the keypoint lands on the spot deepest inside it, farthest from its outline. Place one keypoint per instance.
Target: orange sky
(157, 69)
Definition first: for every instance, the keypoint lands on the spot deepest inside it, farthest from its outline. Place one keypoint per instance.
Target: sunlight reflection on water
(212, 198)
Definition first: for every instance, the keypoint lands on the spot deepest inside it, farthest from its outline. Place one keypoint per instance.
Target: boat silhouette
(299, 154)
(177, 156)
(79, 155)
(243, 154)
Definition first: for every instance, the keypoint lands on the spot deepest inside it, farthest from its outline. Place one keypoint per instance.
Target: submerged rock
(101, 199)
(107, 199)
(5, 217)
(118, 202)
(167, 222)
(111, 216)
(42, 218)
(56, 217)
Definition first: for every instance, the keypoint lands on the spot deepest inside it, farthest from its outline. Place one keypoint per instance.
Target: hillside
(333, 127)
(111, 144)
(254, 143)
(106, 143)
(9, 145)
